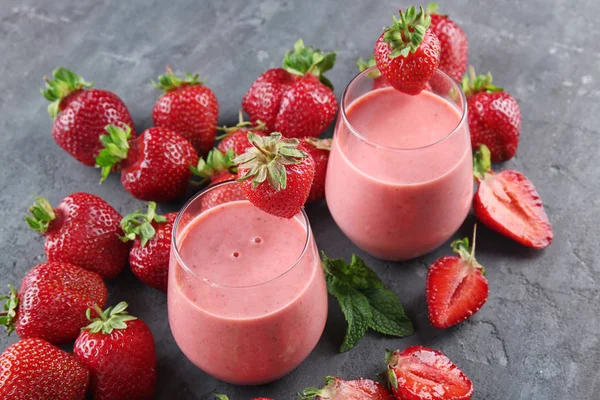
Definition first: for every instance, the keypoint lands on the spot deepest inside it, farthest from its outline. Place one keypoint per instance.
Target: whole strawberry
(118, 350)
(276, 174)
(80, 114)
(52, 302)
(419, 373)
(219, 167)
(507, 202)
(83, 230)
(494, 116)
(456, 287)
(339, 389)
(155, 166)
(188, 108)
(236, 137)
(33, 369)
(378, 80)
(408, 52)
(454, 46)
(296, 100)
(319, 150)
(149, 255)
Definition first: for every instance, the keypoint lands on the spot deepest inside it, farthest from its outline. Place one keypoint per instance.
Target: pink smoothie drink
(399, 178)
(247, 296)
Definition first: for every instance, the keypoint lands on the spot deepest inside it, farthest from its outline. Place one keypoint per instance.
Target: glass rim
(369, 142)
(175, 249)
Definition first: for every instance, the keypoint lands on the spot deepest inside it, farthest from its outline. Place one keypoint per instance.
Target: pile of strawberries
(280, 164)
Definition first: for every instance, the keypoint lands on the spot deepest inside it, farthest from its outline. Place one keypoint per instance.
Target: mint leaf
(356, 274)
(388, 314)
(356, 309)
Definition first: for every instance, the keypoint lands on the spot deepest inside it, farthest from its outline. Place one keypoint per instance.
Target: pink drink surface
(403, 202)
(259, 318)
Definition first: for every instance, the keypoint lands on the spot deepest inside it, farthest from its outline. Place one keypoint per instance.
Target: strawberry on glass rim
(408, 53)
(340, 389)
(456, 287)
(276, 174)
(507, 202)
(236, 137)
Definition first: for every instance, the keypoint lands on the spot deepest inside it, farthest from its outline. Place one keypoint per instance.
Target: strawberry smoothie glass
(400, 175)
(247, 298)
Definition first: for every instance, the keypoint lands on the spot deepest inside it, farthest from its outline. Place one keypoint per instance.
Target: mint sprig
(365, 301)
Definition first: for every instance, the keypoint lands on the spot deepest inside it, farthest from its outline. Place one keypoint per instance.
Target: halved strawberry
(508, 203)
(339, 389)
(419, 373)
(456, 286)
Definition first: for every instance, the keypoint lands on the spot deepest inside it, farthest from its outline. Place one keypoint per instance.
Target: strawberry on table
(276, 174)
(188, 108)
(319, 150)
(378, 80)
(236, 137)
(217, 168)
(419, 373)
(507, 202)
(155, 166)
(339, 389)
(83, 230)
(494, 116)
(118, 349)
(456, 287)
(52, 302)
(296, 100)
(408, 52)
(80, 114)
(454, 46)
(33, 369)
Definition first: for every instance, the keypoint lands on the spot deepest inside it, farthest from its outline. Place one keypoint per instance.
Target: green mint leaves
(365, 301)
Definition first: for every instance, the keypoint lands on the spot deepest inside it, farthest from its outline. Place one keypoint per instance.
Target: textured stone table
(538, 335)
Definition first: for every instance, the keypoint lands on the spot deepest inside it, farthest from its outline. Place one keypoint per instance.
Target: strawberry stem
(64, 83)
(138, 224)
(405, 35)
(116, 148)
(304, 60)
(260, 126)
(473, 84)
(9, 314)
(169, 81)
(482, 162)
(108, 320)
(215, 163)
(42, 214)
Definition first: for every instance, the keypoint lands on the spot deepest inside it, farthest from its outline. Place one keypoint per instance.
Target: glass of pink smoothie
(247, 297)
(399, 178)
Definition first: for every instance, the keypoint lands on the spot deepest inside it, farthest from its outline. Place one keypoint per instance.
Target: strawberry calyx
(466, 253)
(228, 131)
(221, 396)
(321, 144)
(63, 83)
(267, 159)
(392, 358)
(215, 163)
(108, 320)
(138, 224)
(8, 315)
(472, 84)
(116, 148)
(327, 391)
(42, 214)
(406, 34)
(169, 81)
(366, 64)
(432, 8)
(304, 60)
(482, 162)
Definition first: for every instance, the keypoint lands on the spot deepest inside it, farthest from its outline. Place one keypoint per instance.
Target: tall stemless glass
(247, 298)
(399, 178)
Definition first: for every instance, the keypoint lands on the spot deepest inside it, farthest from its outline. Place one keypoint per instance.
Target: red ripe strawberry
(155, 166)
(408, 52)
(83, 230)
(149, 256)
(188, 108)
(276, 174)
(453, 43)
(217, 168)
(80, 114)
(319, 150)
(507, 202)
(456, 287)
(236, 137)
(52, 302)
(33, 369)
(378, 80)
(339, 389)
(296, 100)
(494, 116)
(118, 349)
(419, 373)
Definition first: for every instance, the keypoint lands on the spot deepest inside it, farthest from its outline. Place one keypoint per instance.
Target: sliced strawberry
(339, 389)
(419, 373)
(456, 286)
(508, 203)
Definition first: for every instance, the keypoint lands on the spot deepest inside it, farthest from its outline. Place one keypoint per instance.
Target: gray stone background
(538, 335)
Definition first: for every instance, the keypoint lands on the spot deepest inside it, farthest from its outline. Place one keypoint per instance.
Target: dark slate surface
(537, 336)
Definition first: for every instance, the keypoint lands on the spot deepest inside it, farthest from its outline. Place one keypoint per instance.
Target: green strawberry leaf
(389, 317)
